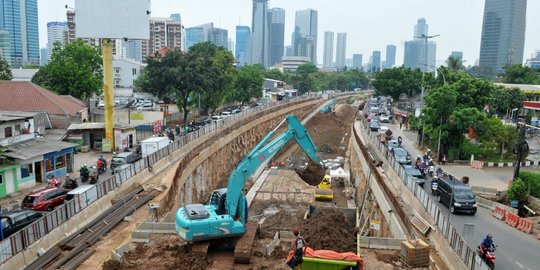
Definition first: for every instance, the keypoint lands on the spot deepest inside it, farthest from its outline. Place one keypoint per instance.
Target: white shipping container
(152, 145)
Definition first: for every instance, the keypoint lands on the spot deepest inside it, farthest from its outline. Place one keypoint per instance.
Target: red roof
(29, 97)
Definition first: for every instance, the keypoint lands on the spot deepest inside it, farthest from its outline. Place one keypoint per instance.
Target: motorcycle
(434, 185)
(487, 255)
(91, 175)
(54, 182)
(431, 168)
(101, 166)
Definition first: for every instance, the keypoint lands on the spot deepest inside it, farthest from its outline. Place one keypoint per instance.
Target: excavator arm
(260, 154)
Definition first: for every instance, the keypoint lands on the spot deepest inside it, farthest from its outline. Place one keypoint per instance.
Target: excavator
(226, 215)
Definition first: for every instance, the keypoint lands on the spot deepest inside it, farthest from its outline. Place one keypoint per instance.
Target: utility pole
(423, 86)
(522, 147)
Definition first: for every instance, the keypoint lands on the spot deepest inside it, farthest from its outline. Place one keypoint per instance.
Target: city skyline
(456, 35)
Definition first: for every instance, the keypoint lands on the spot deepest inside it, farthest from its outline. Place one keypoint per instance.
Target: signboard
(375, 225)
(158, 126)
(136, 116)
(106, 145)
(128, 19)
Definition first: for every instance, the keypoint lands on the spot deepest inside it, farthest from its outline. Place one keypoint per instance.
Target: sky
(370, 24)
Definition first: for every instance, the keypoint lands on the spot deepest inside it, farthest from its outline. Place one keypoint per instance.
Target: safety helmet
(489, 236)
(295, 232)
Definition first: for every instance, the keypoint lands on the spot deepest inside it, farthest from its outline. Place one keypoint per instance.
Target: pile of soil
(329, 230)
(345, 112)
(313, 174)
(279, 252)
(284, 220)
(166, 254)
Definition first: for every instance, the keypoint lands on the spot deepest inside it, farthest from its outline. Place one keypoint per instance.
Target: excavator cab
(218, 200)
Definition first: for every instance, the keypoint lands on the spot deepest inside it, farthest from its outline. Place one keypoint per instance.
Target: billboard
(127, 19)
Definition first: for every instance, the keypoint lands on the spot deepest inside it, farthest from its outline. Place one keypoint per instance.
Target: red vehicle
(488, 255)
(45, 199)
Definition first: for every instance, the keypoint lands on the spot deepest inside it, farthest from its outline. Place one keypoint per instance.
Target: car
(101, 104)
(370, 116)
(391, 144)
(384, 118)
(374, 125)
(14, 221)
(383, 129)
(401, 155)
(226, 114)
(415, 174)
(235, 111)
(457, 196)
(217, 118)
(124, 158)
(245, 108)
(374, 109)
(45, 199)
(146, 106)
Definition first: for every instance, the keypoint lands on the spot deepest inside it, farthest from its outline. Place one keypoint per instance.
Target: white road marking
(522, 266)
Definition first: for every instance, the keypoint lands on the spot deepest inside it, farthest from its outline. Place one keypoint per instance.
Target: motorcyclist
(177, 129)
(101, 163)
(487, 243)
(84, 172)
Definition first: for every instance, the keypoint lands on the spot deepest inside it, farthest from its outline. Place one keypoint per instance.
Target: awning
(339, 172)
(532, 105)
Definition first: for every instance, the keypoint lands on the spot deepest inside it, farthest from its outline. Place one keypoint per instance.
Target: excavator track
(200, 248)
(244, 247)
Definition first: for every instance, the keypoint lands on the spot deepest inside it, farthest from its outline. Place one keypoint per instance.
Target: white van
(83, 195)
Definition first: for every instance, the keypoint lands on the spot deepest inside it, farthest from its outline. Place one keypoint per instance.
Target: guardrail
(467, 254)
(22, 239)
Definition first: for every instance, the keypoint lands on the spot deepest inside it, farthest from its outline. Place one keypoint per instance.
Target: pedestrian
(400, 124)
(443, 162)
(298, 247)
(399, 140)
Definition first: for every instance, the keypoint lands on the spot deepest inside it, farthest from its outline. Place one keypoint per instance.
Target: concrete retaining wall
(380, 242)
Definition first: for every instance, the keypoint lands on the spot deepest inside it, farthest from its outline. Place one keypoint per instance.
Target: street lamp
(425, 37)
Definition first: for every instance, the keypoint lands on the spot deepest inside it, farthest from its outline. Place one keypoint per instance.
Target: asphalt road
(516, 250)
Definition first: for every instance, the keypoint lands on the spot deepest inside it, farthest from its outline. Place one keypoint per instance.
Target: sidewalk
(488, 177)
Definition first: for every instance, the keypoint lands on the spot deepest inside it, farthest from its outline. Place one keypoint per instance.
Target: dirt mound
(313, 174)
(166, 254)
(279, 252)
(284, 220)
(329, 230)
(344, 112)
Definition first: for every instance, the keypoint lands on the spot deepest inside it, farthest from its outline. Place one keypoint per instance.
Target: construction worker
(298, 246)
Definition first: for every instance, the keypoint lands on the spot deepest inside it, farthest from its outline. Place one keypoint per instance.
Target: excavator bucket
(313, 174)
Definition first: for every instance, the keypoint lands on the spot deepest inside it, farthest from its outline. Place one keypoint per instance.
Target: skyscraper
(5, 46)
(218, 36)
(276, 35)
(328, 57)
(194, 35)
(243, 36)
(164, 33)
(415, 49)
(305, 34)
(341, 50)
(133, 50)
(376, 61)
(390, 56)
(357, 61)
(20, 19)
(503, 33)
(259, 36)
(56, 32)
(457, 55)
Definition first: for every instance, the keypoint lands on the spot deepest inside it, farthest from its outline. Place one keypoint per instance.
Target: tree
(249, 83)
(517, 191)
(5, 71)
(504, 100)
(454, 63)
(75, 70)
(276, 74)
(395, 81)
(519, 74)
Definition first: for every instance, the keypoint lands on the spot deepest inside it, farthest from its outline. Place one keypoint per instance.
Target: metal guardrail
(22, 239)
(467, 254)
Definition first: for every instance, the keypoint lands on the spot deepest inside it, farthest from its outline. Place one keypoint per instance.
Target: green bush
(517, 191)
(534, 180)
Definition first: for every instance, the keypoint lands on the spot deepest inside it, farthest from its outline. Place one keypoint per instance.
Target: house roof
(35, 147)
(96, 125)
(29, 97)
(6, 116)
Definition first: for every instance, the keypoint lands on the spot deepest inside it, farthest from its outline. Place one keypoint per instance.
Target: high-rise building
(194, 35)
(305, 34)
(5, 46)
(414, 56)
(357, 61)
(458, 55)
(175, 17)
(20, 19)
(259, 35)
(56, 32)
(231, 46)
(341, 50)
(243, 36)
(503, 33)
(276, 35)
(328, 57)
(133, 50)
(376, 61)
(164, 33)
(534, 61)
(218, 36)
(390, 56)
(43, 56)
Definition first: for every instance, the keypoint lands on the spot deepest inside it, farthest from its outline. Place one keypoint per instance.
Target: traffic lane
(511, 254)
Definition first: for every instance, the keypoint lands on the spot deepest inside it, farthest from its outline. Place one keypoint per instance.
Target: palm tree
(3, 158)
(454, 63)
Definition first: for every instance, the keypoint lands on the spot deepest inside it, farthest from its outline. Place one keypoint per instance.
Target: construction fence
(24, 238)
(466, 253)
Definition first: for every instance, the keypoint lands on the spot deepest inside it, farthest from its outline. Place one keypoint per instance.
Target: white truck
(152, 145)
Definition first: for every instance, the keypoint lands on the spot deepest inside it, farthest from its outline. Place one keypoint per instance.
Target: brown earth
(329, 230)
(313, 174)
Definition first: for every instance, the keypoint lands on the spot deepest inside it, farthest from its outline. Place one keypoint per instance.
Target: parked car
(14, 221)
(391, 144)
(226, 114)
(401, 155)
(457, 196)
(415, 174)
(374, 125)
(101, 104)
(124, 158)
(146, 106)
(217, 118)
(45, 199)
(235, 111)
(384, 118)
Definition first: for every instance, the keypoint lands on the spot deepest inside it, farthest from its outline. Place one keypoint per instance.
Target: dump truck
(324, 192)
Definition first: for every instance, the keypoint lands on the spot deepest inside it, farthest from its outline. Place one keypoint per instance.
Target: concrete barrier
(484, 190)
(381, 242)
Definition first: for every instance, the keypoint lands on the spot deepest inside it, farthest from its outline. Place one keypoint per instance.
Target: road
(516, 250)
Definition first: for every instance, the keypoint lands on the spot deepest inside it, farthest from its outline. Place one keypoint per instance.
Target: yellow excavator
(324, 192)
